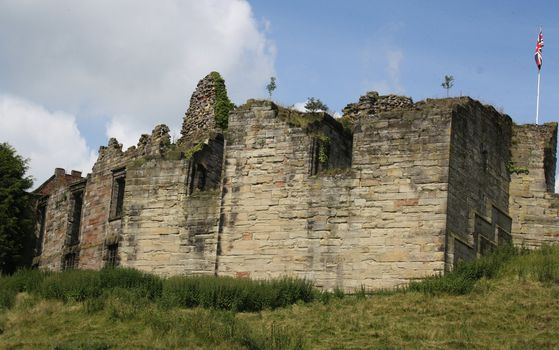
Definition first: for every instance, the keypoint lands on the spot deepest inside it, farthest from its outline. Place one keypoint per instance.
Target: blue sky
(73, 73)
(337, 50)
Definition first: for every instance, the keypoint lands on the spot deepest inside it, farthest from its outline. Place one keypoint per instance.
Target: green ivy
(513, 169)
(222, 105)
(323, 142)
(191, 151)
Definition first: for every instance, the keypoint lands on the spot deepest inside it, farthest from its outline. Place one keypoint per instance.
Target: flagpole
(538, 99)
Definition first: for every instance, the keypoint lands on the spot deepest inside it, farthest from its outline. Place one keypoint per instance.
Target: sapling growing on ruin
(314, 105)
(271, 86)
(448, 83)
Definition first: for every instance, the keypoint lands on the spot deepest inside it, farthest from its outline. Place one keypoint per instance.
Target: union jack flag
(538, 53)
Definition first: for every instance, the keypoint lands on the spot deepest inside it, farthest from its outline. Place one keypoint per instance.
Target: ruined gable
(208, 110)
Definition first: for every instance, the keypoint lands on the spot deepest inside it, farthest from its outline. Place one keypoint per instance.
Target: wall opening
(75, 218)
(70, 261)
(320, 155)
(197, 178)
(111, 255)
(549, 162)
(117, 198)
(42, 227)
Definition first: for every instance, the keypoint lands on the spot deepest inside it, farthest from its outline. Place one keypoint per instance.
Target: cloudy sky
(73, 73)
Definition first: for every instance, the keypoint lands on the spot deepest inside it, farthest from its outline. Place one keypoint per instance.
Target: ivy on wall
(222, 105)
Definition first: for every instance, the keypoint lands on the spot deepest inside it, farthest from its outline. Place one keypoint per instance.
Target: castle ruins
(397, 192)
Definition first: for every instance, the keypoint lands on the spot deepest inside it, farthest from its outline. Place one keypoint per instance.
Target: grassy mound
(509, 299)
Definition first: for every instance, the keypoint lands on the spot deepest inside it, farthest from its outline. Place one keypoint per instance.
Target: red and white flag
(538, 53)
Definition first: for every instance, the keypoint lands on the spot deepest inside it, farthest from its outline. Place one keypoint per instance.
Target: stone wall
(399, 203)
(533, 203)
(411, 190)
(379, 223)
(99, 229)
(199, 119)
(170, 227)
(372, 103)
(478, 181)
(54, 197)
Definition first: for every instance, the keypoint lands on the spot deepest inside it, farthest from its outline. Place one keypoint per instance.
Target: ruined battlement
(405, 191)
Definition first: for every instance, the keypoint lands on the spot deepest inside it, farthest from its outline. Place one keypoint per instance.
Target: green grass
(509, 300)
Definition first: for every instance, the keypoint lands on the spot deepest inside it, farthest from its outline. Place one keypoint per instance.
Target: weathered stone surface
(411, 190)
(372, 103)
(533, 203)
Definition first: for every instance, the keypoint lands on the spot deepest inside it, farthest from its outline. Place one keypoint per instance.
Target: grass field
(509, 300)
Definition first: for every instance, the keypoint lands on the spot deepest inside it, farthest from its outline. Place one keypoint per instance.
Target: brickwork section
(199, 119)
(533, 205)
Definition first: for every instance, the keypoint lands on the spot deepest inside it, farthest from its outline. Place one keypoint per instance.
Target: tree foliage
(271, 86)
(314, 105)
(448, 83)
(16, 224)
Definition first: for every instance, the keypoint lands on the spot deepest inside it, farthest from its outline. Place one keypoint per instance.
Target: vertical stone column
(533, 205)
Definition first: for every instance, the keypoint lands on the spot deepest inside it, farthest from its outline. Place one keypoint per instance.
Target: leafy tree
(314, 104)
(271, 86)
(16, 223)
(448, 83)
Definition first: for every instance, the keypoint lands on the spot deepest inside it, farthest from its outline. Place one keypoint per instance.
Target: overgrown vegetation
(314, 105)
(505, 300)
(513, 169)
(222, 105)
(99, 287)
(323, 144)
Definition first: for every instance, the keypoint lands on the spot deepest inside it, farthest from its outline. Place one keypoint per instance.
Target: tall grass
(463, 278)
(228, 293)
(114, 286)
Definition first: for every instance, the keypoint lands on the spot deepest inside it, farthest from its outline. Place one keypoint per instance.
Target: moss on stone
(189, 153)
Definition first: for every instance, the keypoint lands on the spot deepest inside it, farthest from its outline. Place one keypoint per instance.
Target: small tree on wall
(271, 86)
(314, 105)
(448, 83)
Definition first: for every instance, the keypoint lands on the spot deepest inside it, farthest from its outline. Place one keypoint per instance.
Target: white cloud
(134, 62)
(47, 139)
(300, 106)
(392, 84)
(382, 59)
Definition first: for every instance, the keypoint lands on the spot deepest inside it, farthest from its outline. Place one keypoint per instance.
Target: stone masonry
(409, 191)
